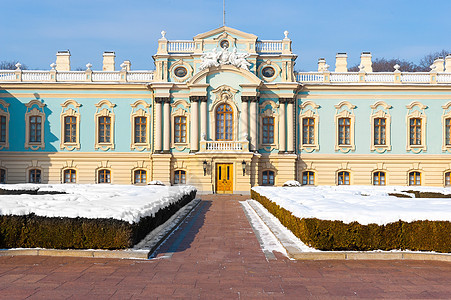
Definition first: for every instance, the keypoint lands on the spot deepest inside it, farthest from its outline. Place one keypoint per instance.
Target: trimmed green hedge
(31, 231)
(336, 235)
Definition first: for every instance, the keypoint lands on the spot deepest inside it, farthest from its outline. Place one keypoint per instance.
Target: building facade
(226, 111)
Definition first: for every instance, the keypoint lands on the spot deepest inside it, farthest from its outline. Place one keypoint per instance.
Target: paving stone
(214, 254)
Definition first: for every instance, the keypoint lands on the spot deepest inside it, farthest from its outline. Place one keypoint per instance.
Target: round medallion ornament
(268, 72)
(180, 72)
(224, 44)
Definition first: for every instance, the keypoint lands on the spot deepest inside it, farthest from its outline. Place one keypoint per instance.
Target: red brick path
(219, 258)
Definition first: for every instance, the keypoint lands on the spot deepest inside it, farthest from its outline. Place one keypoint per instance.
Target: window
(268, 130)
(104, 122)
(448, 179)
(70, 129)
(415, 131)
(344, 131)
(104, 129)
(448, 132)
(308, 178)
(104, 176)
(140, 126)
(416, 121)
(415, 178)
(70, 176)
(380, 127)
(308, 131)
(379, 178)
(343, 178)
(345, 127)
(379, 131)
(35, 129)
(268, 178)
(179, 177)
(2, 176)
(34, 176)
(140, 176)
(224, 123)
(70, 125)
(180, 130)
(2, 129)
(140, 129)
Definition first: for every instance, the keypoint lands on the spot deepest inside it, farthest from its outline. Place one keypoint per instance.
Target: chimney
(448, 63)
(438, 63)
(341, 65)
(365, 61)
(63, 60)
(321, 64)
(108, 60)
(128, 65)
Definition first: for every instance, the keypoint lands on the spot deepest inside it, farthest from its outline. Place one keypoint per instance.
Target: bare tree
(11, 65)
(386, 65)
(427, 60)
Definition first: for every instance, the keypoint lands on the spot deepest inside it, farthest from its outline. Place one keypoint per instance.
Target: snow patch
(363, 204)
(122, 202)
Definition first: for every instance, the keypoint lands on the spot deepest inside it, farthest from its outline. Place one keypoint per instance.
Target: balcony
(224, 146)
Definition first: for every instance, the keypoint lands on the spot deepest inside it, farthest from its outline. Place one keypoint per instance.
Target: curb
(153, 240)
(295, 253)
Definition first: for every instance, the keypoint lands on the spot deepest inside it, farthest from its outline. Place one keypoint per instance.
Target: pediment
(225, 30)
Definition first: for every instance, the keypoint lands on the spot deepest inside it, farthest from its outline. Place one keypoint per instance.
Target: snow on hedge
(123, 202)
(364, 204)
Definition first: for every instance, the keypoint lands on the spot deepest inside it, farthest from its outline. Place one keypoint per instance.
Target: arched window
(34, 176)
(70, 129)
(104, 176)
(268, 130)
(268, 178)
(140, 130)
(379, 178)
(179, 177)
(224, 123)
(415, 178)
(140, 176)
(104, 130)
(448, 179)
(344, 131)
(2, 176)
(308, 178)
(180, 130)
(70, 176)
(343, 178)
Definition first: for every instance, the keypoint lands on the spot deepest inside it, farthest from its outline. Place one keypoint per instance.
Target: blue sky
(32, 31)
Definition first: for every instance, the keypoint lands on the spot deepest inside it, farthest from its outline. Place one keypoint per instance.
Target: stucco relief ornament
(224, 57)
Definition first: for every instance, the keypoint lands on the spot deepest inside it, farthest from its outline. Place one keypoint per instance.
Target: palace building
(226, 111)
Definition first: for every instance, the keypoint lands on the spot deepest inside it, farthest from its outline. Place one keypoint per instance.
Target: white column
(244, 119)
(167, 126)
(253, 124)
(282, 136)
(203, 116)
(290, 126)
(158, 125)
(194, 124)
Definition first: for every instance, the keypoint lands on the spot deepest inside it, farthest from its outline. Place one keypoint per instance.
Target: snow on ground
(122, 202)
(364, 204)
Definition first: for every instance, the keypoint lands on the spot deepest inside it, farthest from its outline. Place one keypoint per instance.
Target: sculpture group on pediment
(214, 58)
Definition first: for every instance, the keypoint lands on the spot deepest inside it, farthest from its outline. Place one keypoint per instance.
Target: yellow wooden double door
(224, 178)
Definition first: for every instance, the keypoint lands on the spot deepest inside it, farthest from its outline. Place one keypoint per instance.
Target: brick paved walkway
(216, 255)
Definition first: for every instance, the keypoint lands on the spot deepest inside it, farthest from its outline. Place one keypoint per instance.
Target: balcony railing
(180, 46)
(224, 146)
(75, 76)
(269, 46)
(374, 77)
